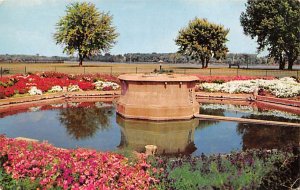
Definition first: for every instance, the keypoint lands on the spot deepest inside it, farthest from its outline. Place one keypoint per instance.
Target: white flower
(99, 85)
(55, 89)
(211, 87)
(56, 105)
(102, 105)
(73, 104)
(283, 88)
(34, 91)
(73, 88)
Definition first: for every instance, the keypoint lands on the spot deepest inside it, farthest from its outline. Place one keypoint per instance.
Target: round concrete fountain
(164, 137)
(157, 96)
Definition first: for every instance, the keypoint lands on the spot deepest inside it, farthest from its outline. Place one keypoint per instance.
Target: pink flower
(73, 169)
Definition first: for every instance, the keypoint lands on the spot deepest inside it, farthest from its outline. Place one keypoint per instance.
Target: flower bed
(283, 88)
(49, 167)
(222, 79)
(32, 165)
(37, 84)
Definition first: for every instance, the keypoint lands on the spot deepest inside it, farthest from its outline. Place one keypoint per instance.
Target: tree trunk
(290, 65)
(291, 60)
(80, 60)
(206, 62)
(281, 63)
(281, 66)
(203, 62)
(202, 65)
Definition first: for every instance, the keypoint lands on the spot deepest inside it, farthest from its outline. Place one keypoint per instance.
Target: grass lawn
(119, 68)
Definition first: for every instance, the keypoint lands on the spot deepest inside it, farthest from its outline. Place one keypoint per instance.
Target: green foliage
(247, 170)
(220, 81)
(128, 153)
(8, 183)
(85, 30)
(276, 26)
(186, 177)
(202, 40)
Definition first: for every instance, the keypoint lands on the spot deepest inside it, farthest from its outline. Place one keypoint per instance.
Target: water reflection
(267, 137)
(171, 137)
(84, 122)
(209, 111)
(95, 125)
(206, 123)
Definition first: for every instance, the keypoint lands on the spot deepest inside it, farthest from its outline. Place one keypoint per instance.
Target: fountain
(157, 97)
(170, 137)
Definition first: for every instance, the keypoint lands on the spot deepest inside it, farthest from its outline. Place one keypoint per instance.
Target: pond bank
(58, 96)
(267, 102)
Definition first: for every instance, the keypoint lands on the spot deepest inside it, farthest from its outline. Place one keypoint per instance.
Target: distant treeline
(176, 58)
(32, 59)
(137, 57)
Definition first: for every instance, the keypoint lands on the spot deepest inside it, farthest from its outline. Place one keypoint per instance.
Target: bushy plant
(73, 88)
(105, 86)
(56, 89)
(35, 91)
(245, 170)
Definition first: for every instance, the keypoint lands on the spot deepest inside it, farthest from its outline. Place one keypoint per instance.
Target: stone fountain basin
(157, 96)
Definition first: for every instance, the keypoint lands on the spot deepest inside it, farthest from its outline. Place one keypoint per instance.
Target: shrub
(247, 170)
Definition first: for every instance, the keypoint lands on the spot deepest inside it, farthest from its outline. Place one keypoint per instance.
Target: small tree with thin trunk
(202, 40)
(85, 30)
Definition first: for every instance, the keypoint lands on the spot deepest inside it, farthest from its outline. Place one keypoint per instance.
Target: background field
(119, 68)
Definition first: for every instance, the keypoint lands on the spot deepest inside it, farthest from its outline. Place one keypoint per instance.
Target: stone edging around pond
(59, 95)
(286, 102)
(223, 96)
(246, 97)
(241, 99)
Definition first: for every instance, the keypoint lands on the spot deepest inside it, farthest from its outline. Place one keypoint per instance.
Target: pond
(96, 125)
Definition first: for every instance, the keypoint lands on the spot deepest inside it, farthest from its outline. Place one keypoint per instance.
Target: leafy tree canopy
(82, 123)
(85, 30)
(276, 26)
(202, 40)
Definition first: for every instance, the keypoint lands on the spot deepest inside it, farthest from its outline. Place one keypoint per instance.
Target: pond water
(96, 125)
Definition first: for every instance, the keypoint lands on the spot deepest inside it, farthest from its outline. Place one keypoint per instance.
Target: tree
(202, 40)
(85, 30)
(83, 122)
(276, 26)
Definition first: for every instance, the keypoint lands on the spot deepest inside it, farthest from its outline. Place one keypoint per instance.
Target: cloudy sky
(146, 26)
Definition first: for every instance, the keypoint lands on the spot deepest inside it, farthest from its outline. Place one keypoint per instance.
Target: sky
(145, 26)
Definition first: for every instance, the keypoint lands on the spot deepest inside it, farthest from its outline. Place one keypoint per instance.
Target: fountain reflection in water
(172, 137)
